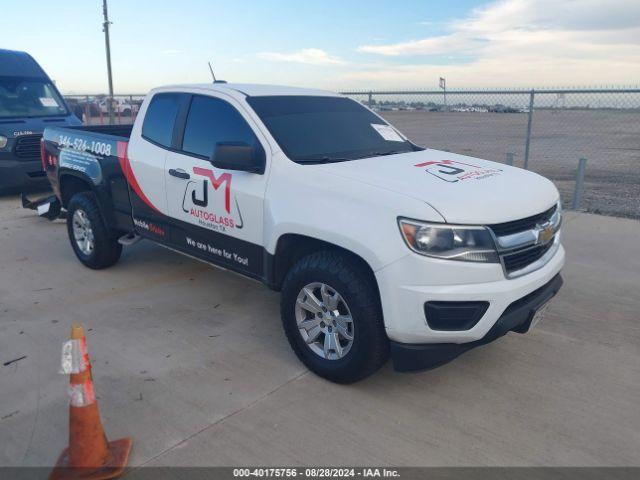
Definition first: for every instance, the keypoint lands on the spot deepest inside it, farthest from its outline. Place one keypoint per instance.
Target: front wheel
(332, 317)
(92, 241)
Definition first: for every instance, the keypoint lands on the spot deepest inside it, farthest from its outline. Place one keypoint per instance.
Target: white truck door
(216, 214)
(143, 163)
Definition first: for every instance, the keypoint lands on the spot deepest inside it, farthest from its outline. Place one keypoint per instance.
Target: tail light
(43, 153)
(46, 159)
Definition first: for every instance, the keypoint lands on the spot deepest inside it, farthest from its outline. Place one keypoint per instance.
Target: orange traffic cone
(89, 455)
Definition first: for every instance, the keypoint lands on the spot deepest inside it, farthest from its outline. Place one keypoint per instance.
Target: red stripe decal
(128, 173)
(444, 162)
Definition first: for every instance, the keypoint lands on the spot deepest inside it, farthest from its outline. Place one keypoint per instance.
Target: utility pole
(105, 29)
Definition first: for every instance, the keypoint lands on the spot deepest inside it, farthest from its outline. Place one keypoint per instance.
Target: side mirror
(238, 156)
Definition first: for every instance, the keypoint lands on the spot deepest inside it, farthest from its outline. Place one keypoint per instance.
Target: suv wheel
(332, 317)
(92, 242)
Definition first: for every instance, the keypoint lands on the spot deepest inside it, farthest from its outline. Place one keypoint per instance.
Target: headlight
(3, 141)
(451, 242)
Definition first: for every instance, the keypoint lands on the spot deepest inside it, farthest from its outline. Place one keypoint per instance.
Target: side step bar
(48, 207)
(129, 239)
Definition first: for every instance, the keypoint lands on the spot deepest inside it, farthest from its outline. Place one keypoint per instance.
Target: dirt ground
(609, 140)
(191, 362)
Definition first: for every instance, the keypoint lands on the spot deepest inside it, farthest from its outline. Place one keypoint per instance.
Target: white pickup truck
(378, 246)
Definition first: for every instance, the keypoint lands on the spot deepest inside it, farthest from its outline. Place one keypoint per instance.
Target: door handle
(180, 173)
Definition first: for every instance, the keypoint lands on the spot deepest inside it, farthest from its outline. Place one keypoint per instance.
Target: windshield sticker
(387, 132)
(452, 171)
(48, 102)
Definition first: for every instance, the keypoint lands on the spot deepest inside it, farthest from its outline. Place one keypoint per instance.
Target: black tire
(347, 275)
(106, 249)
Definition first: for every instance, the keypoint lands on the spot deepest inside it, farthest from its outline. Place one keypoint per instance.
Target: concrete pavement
(192, 363)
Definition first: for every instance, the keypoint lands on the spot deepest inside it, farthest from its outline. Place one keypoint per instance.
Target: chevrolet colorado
(378, 246)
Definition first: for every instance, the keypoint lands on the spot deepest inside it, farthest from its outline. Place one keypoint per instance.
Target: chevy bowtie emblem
(545, 233)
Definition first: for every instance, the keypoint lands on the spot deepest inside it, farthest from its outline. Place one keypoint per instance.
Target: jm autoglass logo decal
(453, 171)
(196, 201)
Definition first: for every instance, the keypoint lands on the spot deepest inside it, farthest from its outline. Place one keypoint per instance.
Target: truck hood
(462, 189)
(16, 127)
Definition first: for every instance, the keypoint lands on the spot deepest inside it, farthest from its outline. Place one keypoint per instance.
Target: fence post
(527, 145)
(370, 100)
(510, 159)
(87, 111)
(579, 188)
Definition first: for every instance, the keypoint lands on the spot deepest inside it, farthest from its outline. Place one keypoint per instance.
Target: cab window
(211, 120)
(160, 119)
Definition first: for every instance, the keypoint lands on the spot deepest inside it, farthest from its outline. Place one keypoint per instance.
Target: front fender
(361, 218)
(350, 244)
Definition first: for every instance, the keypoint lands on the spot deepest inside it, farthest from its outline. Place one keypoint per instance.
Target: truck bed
(123, 131)
(94, 158)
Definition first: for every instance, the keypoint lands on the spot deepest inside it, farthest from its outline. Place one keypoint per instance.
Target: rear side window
(211, 120)
(161, 118)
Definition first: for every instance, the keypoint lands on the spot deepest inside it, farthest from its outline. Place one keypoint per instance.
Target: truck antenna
(212, 74)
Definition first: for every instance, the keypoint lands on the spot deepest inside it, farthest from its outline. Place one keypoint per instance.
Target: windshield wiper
(315, 160)
(327, 159)
(383, 154)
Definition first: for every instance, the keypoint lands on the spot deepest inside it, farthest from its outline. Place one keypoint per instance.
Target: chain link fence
(547, 131)
(98, 110)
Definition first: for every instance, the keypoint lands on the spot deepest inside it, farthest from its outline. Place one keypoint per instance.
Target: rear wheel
(332, 317)
(92, 241)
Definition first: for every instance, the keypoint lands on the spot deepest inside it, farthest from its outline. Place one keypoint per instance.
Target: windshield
(313, 129)
(29, 97)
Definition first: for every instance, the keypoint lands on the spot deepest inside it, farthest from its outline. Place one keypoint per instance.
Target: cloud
(171, 51)
(309, 56)
(493, 73)
(533, 23)
(537, 41)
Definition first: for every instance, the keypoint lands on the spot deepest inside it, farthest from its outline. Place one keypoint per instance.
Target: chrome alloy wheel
(82, 232)
(324, 321)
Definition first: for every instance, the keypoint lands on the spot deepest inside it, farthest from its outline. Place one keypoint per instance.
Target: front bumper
(20, 175)
(407, 284)
(517, 317)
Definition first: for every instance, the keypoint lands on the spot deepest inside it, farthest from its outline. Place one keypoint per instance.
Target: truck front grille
(515, 226)
(28, 147)
(522, 243)
(520, 259)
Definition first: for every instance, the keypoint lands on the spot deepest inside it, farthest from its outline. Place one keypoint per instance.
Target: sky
(333, 44)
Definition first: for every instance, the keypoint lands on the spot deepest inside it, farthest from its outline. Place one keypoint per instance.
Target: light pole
(443, 86)
(105, 29)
